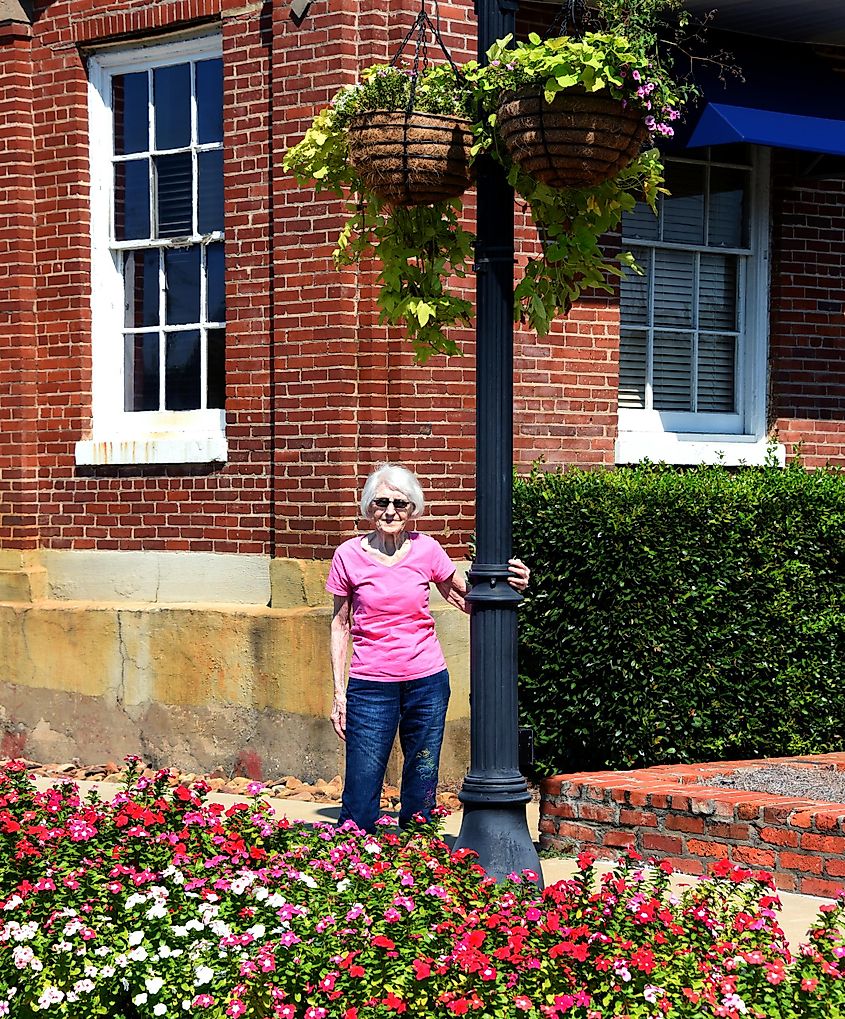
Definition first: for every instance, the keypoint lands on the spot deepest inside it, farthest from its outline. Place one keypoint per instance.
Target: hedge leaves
(681, 615)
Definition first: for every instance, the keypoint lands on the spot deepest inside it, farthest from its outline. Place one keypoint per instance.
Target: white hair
(397, 477)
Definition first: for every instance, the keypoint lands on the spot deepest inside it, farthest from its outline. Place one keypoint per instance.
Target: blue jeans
(374, 711)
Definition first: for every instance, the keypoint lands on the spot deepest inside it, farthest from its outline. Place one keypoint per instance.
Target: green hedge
(681, 615)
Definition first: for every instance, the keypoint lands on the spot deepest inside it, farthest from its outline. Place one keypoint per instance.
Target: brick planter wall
(663, 813)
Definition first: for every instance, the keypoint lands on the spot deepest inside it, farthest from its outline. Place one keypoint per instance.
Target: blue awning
(721, 124)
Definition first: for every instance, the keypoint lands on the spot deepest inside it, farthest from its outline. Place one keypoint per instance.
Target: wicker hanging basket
(410, 158)
(578, 140)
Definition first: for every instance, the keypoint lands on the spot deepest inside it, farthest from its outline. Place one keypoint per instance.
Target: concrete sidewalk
(798, 913)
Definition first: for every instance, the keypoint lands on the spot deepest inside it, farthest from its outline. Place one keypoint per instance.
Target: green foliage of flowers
(160, 904)
(599, 62)
(423, 252)
(437, 89)
(682, 615)
(418, 249)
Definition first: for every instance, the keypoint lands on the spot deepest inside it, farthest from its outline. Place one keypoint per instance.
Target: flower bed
(670, 813)
(159, 904)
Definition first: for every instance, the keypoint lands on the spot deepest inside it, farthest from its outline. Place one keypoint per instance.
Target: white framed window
(694, 325)
(157, 264)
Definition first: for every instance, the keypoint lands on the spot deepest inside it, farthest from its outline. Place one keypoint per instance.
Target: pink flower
(523, 1003)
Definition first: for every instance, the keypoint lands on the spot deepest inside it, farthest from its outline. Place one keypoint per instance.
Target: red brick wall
(317, 390)
(807, 340)
(18, 412)
(670, 813)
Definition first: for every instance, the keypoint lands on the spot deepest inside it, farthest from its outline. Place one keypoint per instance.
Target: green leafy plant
(423, 251)
(681, 614)
(419, 248)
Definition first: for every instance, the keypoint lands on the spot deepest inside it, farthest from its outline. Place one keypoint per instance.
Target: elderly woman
(397, 678)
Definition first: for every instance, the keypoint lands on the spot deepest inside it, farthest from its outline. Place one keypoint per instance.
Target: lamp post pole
(494, 793)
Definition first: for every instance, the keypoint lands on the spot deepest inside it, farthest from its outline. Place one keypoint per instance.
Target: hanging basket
(578, 140)
(411, 158)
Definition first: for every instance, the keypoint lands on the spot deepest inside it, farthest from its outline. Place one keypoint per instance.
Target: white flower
(138, 954)
(50, 996)
(160, 1008)
(22, 956)
(307, 880)
(107, 971)
(13, 903)
(140, 999)
(220, 928)
(257, 930)
(164, 952)
(277, 900)
(135, 938)
(102, 950)
(343, 885)
(134, 900)
(157, 911)
(84, 986)
(203, 975)
(61, 947)
(194, 925)
(36, 965)
(154, 984)
(91, 971)
(180, 931)
(261, 894)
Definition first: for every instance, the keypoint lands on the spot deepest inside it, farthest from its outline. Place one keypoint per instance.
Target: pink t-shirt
(393, 634)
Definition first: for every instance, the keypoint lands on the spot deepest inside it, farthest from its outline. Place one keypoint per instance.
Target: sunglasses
(398, 504)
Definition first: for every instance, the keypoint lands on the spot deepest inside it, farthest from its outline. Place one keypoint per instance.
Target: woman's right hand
(338, 715)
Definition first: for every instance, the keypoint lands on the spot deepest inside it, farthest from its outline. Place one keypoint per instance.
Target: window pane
(182, 285)
(633, 344)
(728, 221)
(140, 288)
(673, 288)
(683, 209)
(215, 288)
(182, 371)
(216, 368)
(634, 290)
(640, 223)
(210, 169)
(172, 103)
(672, 375)
(130, 107)
(209, 101)
(132, 200)
(717, 297)
(174, 191)
(716, 371)
(141, 371)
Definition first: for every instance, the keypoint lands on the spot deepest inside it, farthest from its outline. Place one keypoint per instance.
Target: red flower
(380, 941)
(421, 969)
(394, 1002)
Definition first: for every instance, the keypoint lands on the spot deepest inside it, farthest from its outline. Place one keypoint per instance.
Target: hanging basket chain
(421, 27)
(572, 20)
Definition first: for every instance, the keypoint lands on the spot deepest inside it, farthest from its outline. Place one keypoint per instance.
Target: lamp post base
(500, 836)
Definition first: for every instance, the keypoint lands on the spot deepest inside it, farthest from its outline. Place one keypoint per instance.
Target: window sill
(153, 449)
(688, 449)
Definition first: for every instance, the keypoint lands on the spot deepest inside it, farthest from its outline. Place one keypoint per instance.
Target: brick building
(190, 394)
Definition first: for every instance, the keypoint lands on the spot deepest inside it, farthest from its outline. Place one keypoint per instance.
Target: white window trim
(119, 436)
(658, 436)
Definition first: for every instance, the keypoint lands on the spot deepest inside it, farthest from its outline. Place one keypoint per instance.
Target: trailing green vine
(421, 250)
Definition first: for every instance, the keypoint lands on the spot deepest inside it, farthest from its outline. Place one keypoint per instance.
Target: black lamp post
(494, 792)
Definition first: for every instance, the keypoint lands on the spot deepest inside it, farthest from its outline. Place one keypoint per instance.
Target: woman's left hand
(520, 574)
